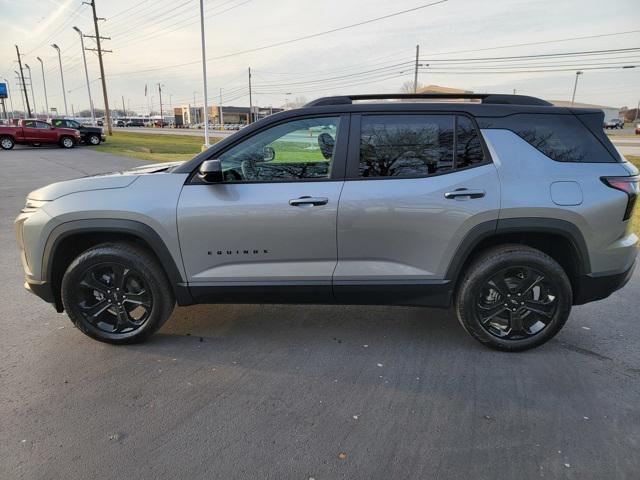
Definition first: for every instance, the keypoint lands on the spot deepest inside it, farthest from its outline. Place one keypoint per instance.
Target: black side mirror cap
(210, 171)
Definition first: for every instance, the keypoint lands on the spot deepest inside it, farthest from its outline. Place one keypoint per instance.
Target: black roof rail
(488, 98)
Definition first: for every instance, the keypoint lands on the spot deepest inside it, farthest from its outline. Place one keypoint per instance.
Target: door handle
(463, 192)
(315, 201)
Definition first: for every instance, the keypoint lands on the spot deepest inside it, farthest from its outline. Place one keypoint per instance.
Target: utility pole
(64, 93)
(204, 76)
(161, 114)
(636, 119)
(575, 86)
(33, 97)
(415, 72)
(100, 51)
(24, 86)
(44, 84)
(221, 112)
(250, 99)
(10, 97)
(124, 111)
(86, 74)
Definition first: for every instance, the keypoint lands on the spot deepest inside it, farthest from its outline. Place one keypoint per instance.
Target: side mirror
(268, 154)
(210, 171)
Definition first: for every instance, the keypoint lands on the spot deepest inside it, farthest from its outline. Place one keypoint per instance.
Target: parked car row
(64, 132)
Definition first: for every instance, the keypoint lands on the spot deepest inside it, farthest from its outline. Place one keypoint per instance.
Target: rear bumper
(591, 288)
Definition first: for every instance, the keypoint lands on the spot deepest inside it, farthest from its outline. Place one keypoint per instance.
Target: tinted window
(29, 124)
(406, 145)
(300, 149)
(468, 145)
(42, 125)
(560, 137)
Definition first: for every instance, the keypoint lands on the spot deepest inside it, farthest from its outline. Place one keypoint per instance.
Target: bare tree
(407, 87)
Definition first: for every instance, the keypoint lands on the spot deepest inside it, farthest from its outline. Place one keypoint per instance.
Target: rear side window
(560, 137)
(417, 145)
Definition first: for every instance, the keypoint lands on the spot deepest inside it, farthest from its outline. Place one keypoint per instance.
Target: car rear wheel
(117, 293)
(67, 142)
(513, 298)
(7, 143)
(94, 139)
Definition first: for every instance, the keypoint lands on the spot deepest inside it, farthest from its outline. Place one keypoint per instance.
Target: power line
(542, 42)
(293, 40)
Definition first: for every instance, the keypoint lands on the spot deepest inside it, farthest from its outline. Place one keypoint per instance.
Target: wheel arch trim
(522, 225)
(123, 226)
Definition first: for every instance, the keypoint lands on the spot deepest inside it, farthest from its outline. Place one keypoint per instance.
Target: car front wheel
(117, 293)
(94, 139)
(513, 298)
(67, 142)
(7, 143)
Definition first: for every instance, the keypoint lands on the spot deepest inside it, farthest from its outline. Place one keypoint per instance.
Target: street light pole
(195, 108)
(86, 74)
(24, 109)
(33, 97)
(44, 84)
(250, 99)
(221, 112)
(64, 93)
(415, 73)
(204, 76)
(575, 85)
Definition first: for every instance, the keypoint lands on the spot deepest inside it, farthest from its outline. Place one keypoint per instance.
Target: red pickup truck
(36, 132)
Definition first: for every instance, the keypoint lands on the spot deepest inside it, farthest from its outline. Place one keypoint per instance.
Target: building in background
(439, 89)
(188, 115)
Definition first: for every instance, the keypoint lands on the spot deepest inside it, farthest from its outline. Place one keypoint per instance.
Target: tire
(514, 298)
(93, 139)
(7, 143)
(143, 296)
(67, 142)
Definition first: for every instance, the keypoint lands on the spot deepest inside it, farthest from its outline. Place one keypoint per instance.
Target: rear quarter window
(562, 138)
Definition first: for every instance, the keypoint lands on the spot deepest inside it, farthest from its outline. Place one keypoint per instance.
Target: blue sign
(3, 90)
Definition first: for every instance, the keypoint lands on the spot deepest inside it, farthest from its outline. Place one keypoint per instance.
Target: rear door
(416, 185)
(267, 233)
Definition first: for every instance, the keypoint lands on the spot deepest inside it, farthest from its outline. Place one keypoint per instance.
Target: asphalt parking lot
(299, 392)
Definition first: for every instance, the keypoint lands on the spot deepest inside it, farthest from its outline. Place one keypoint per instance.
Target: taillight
(628, 185)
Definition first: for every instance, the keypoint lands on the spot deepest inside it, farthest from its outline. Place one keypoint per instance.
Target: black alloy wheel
(114, 298)
(513, 297)
(117, 293)
(516, 303)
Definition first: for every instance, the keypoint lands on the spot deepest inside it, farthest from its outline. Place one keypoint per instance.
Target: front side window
(29, 124)
(406, 145)
(295, 150)
(42, 125)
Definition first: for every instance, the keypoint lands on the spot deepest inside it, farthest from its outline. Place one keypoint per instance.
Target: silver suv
(504, 206)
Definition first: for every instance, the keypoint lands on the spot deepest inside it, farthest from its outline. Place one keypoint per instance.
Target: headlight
(32, 205)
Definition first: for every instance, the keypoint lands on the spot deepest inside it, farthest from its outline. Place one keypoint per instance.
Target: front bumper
(591, 288)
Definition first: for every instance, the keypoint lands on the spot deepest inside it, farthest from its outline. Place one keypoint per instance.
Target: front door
(267, 233)
(416, 185)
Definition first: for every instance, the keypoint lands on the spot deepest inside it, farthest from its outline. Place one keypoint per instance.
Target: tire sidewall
(482, 271)
(3, 140)
(63, 141)
(94, 140)
(162, 296)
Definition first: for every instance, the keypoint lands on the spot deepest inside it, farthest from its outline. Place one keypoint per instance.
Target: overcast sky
(153, 39)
